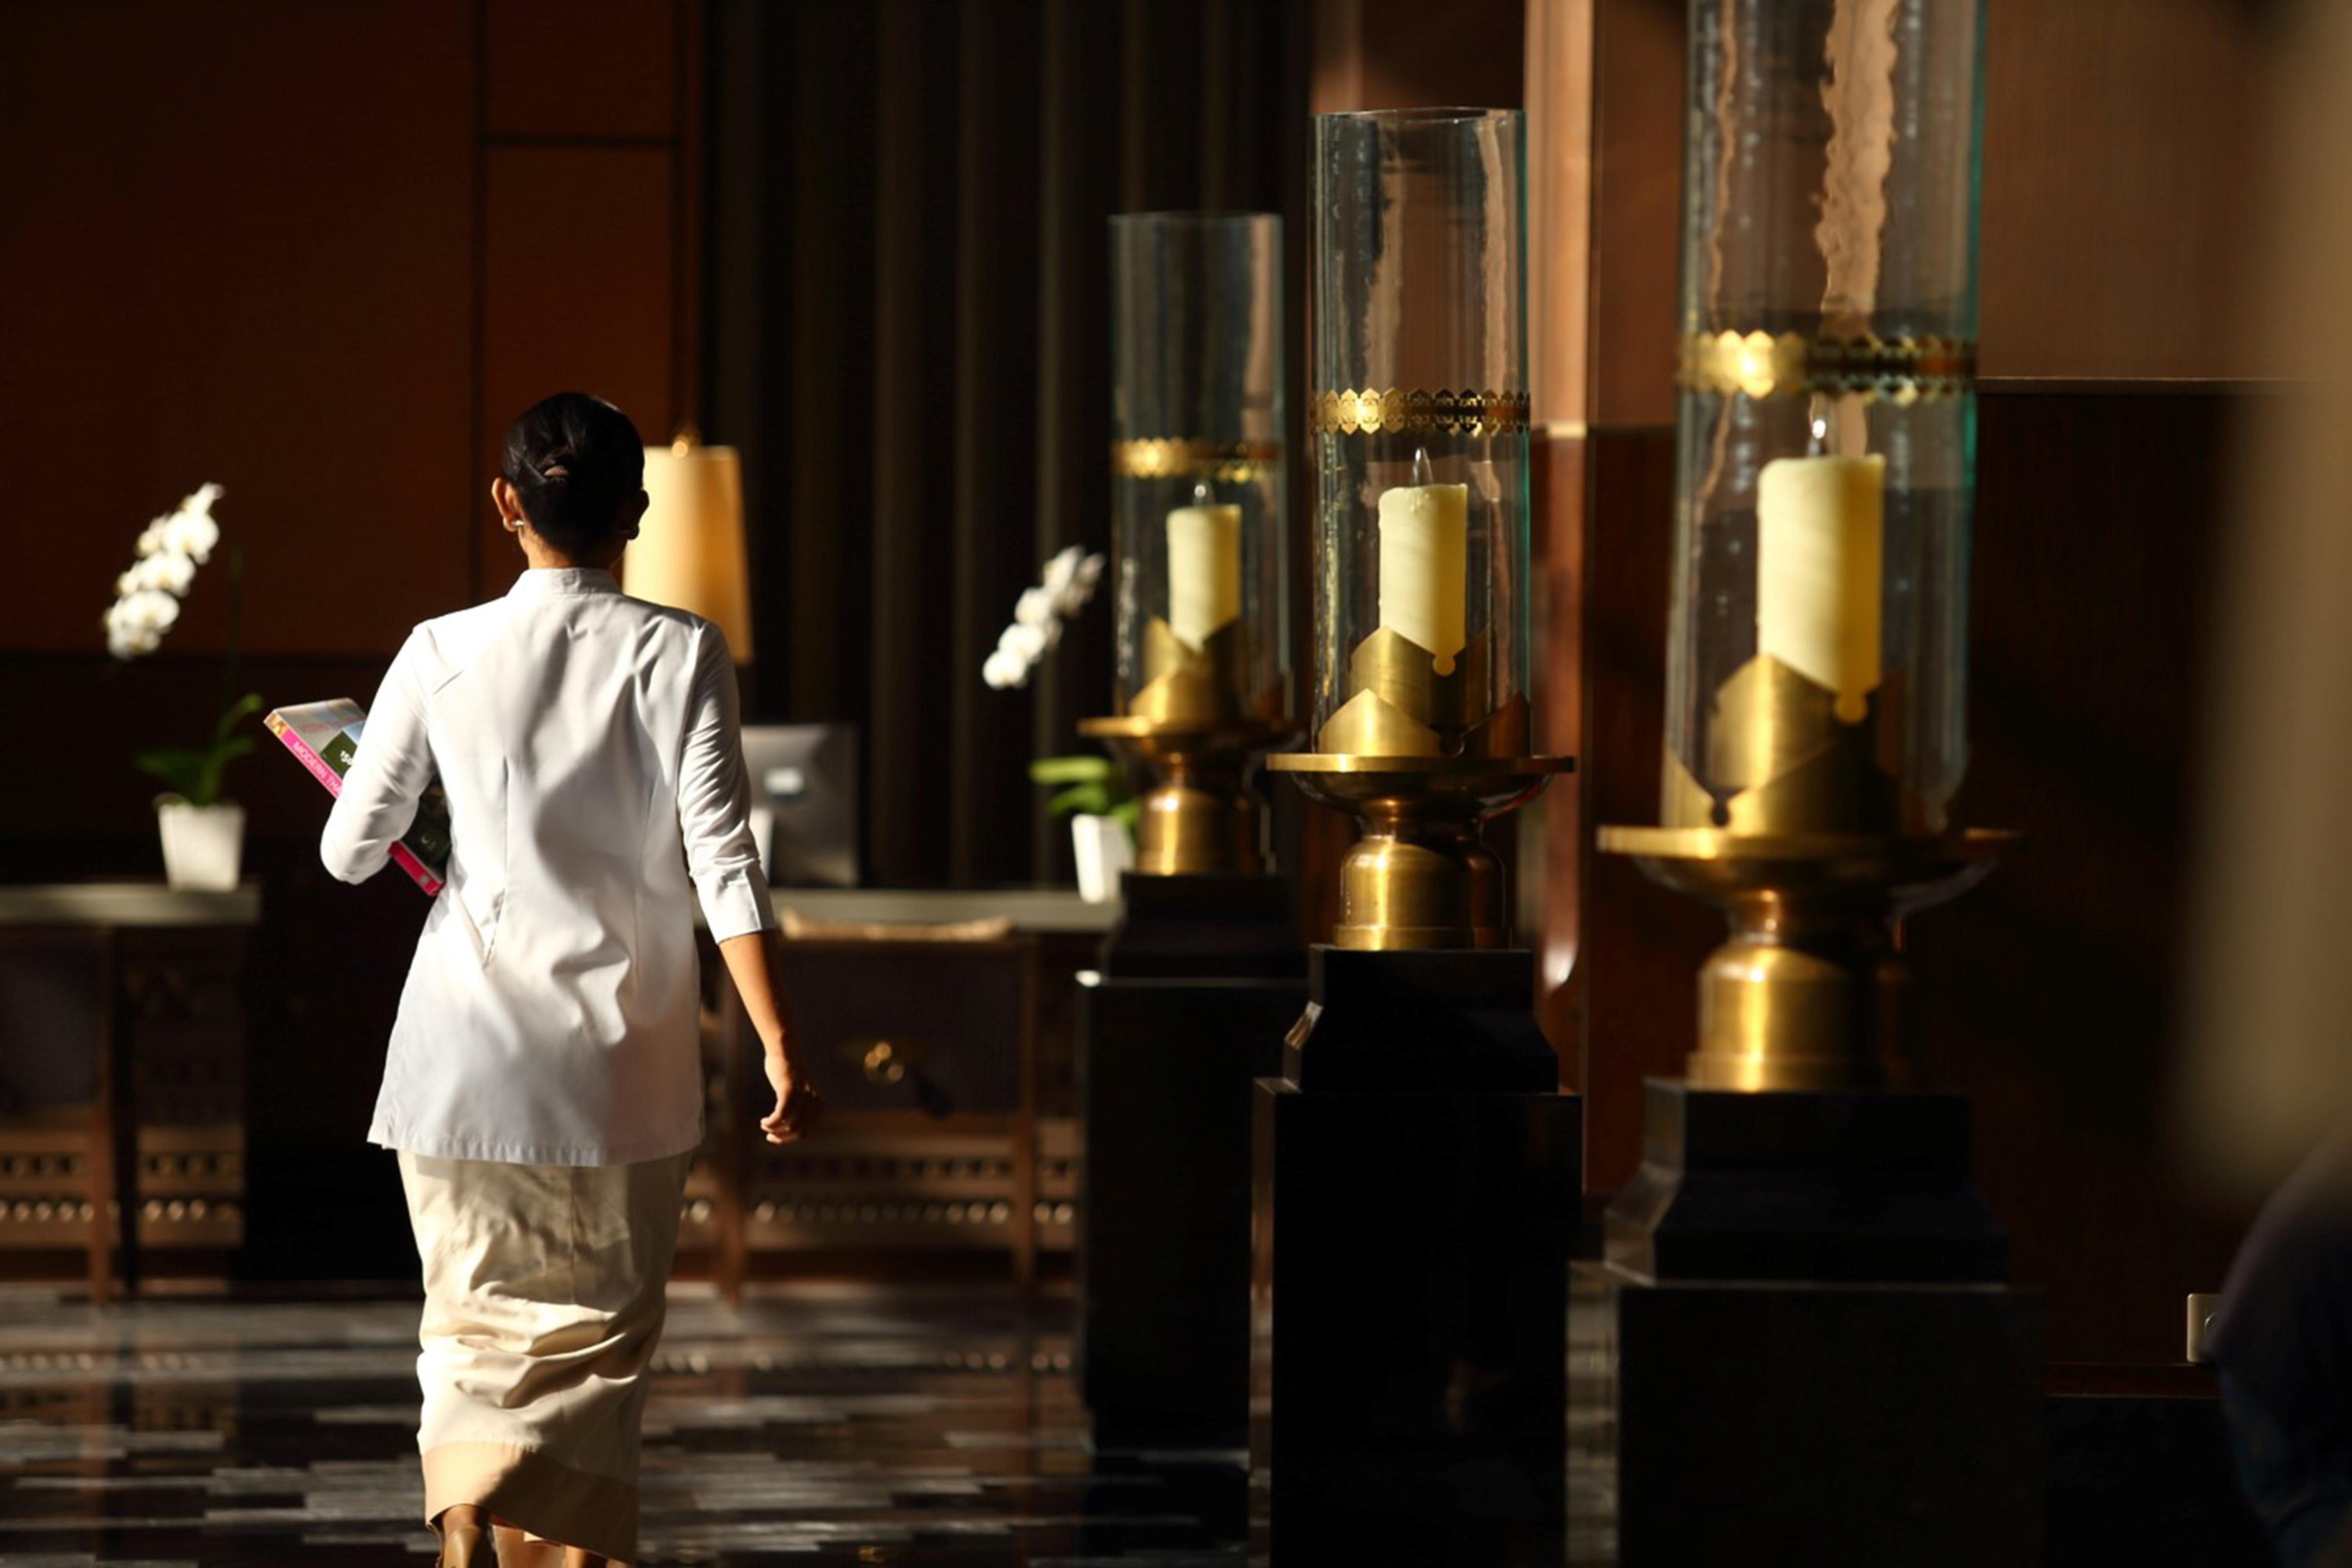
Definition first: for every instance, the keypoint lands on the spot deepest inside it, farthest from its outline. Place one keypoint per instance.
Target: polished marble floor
(826, 1424)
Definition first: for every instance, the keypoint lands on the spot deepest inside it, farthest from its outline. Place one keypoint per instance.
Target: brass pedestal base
(1806, 993)
(1200, 818)
(1418, 877)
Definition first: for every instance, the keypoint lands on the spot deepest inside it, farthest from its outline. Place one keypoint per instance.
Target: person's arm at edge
(388, 773)
(752, 964)
(714, 814)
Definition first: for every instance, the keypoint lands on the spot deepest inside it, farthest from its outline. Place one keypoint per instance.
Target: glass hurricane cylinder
(1816, 688)
(1420, 415)
(1197, 466)
(1197, 493)
(1817, 670)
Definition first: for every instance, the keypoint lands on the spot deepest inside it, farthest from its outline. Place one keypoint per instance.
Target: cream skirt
(543, 1301)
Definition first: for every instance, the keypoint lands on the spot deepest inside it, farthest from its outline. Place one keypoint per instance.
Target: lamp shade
(688, 552)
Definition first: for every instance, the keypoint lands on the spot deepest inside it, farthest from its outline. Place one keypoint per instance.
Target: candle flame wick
(1422, 474)
(1201, 496)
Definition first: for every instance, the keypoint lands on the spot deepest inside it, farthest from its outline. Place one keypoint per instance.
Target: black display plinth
(1417, 1187)
(1775, 1422)
(1811, 1186)
(1200, 979)
(1200, 927)
(1165, 1069)
(1815, 1359)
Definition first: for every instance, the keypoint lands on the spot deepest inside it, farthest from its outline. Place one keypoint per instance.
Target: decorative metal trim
(1768, 365)
(1412, 412)
(1179, 457)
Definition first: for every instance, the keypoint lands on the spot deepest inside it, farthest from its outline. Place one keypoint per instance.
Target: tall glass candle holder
(1420, 419)
(1197, 485)
(1816, 673)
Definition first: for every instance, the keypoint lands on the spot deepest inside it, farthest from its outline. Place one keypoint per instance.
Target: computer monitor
(804, 802)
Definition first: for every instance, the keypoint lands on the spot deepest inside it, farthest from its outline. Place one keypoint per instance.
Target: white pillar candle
(1425, 560)
(1819, 532)
(1204, 570)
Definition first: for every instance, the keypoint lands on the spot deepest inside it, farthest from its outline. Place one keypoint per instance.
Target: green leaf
(215, 761)
(1094, 799)
(238, 711)
(181, 769)
(1070, 769)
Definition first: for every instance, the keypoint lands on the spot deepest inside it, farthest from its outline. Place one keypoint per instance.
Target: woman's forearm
(752, 964)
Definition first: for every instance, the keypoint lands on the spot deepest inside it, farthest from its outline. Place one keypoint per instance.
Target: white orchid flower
(129, 642)
(1067, 582)
(1004, 671)
(1026, 643)
(168, 570)
(149, 609)
(1036, 607)
(169, 550)
(192, 535)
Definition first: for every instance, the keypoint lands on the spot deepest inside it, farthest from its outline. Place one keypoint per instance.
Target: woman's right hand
(797, 1100)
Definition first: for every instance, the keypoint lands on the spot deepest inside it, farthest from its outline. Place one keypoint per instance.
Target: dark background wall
(910, 316)
(320, 253)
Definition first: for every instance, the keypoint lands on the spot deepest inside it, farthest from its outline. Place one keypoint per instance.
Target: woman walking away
(543, 1089)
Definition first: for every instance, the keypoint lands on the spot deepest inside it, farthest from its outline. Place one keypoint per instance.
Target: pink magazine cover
(324, 736)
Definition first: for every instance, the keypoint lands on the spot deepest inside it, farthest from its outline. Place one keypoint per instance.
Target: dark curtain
(906, 278)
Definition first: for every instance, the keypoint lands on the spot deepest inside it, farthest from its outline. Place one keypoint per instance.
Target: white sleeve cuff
(735, 902)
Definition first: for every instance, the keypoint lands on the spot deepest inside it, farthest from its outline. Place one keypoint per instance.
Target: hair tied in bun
(576, 462)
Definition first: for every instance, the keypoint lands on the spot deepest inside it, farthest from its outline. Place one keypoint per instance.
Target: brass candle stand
(1807, 994)
(1815, 855)
(1189, 727)
(1421, 761)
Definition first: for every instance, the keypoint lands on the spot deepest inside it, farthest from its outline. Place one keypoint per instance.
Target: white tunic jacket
(588, 744)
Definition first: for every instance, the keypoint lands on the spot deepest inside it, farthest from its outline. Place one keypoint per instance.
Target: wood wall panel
(1406, 54)
(2122, 159)
(595, 69)
(224, 263)
(220, 260)
(577, 279)
(1636, 210)
(2052, 993)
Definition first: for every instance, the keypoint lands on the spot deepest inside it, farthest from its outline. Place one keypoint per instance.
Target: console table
(946, 1057)
(122, 1070)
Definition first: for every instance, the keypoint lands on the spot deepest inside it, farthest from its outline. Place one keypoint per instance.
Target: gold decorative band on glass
(1782, 364)
(1399, 411)
(1181, 457)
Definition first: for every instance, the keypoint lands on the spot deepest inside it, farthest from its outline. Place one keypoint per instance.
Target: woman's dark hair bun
(575, 461)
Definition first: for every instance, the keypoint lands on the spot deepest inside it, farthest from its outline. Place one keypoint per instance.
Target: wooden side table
(947, 1066)
(144, 949)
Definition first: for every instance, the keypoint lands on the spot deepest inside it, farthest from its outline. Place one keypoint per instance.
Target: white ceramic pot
(1105, 849)
(203, 844)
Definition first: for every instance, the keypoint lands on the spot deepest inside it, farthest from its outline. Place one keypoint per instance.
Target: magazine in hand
(325, 736)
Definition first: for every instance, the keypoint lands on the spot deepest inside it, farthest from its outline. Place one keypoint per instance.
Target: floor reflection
(828, 1425)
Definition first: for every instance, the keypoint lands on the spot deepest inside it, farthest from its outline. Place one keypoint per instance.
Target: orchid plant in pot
(1092, 790)
(202, 832)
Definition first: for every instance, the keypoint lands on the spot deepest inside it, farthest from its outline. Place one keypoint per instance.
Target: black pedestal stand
(1200, 981)
(1417, 1184)
(1816, 1359)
